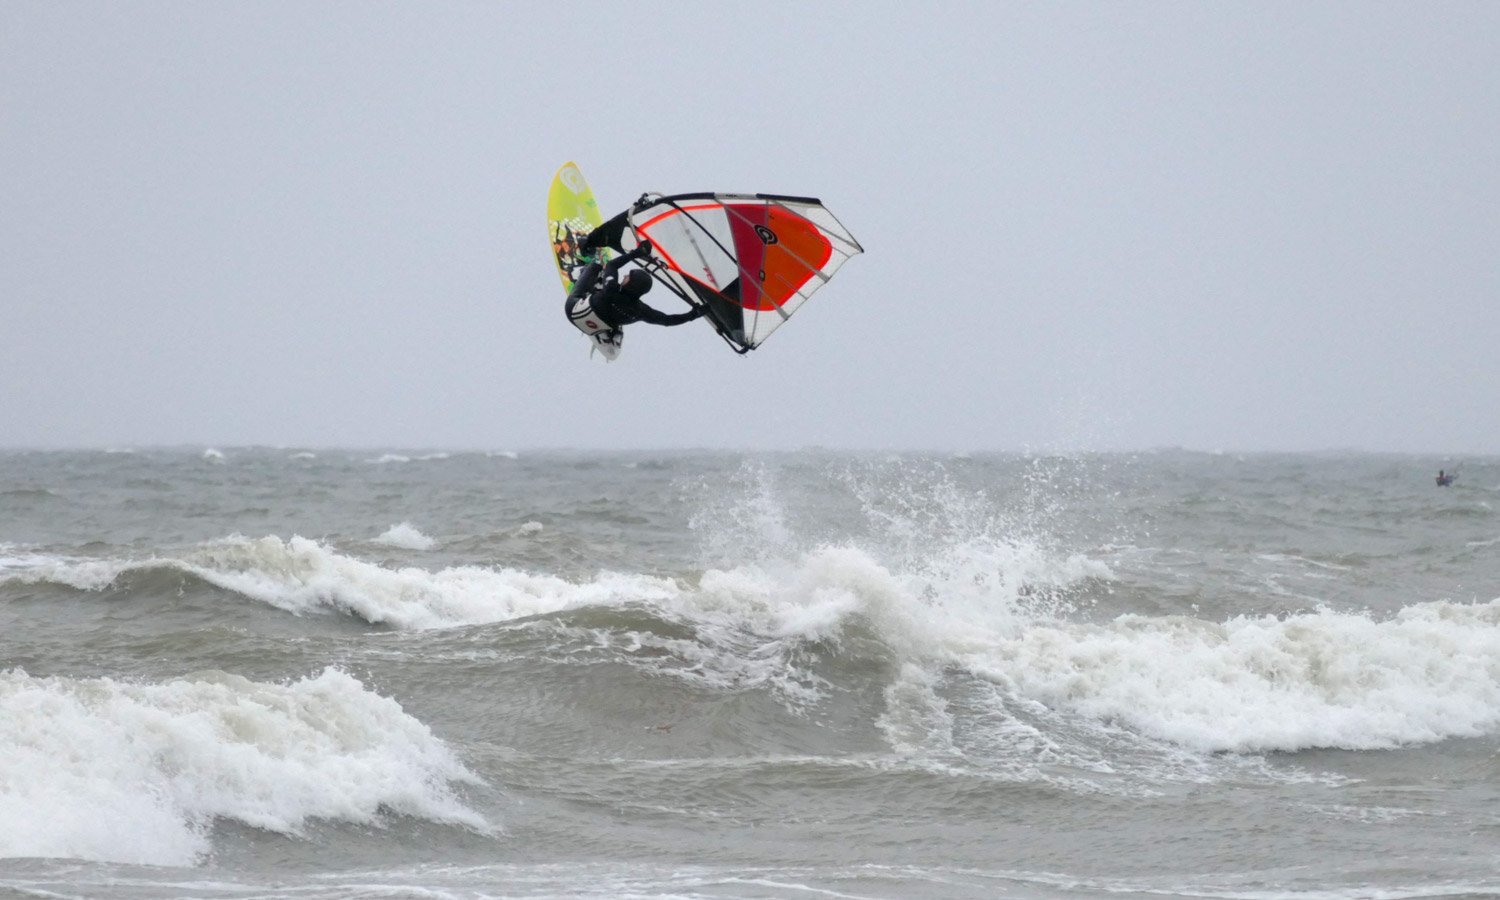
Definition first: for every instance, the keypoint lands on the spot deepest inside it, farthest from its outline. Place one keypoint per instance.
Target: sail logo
(766, 235)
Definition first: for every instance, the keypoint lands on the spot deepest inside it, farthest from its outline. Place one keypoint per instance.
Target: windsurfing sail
(750, 260)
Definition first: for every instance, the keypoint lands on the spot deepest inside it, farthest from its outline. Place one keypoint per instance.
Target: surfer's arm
(657, 317)
(613, 266)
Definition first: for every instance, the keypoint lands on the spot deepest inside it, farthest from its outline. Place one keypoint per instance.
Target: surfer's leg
(606, 235)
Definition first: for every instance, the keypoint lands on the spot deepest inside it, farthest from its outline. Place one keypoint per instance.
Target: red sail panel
(778, 251)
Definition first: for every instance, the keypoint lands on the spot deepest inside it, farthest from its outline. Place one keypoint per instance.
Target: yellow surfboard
(572, 212)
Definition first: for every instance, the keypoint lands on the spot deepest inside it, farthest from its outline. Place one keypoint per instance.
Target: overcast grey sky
(1087, 225)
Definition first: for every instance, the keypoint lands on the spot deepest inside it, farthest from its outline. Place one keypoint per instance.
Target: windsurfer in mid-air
(743, 263)
(602, 302)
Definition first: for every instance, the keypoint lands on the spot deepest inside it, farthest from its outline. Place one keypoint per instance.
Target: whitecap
(405, 537)
(385, 458)
(138, 773)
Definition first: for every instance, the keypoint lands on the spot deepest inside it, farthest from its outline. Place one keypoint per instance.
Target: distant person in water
(1444, 479)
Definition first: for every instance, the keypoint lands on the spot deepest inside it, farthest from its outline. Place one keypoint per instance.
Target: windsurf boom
(750, 260)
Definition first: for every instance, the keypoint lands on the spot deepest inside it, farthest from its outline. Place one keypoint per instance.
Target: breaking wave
(938, 585)
(138, 773)
(404, 536)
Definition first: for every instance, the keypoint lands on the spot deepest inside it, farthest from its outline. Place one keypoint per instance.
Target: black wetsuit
(606, 235)
(618, 308)
(610, 302)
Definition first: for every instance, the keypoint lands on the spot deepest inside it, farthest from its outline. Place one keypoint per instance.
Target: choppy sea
(284, 673)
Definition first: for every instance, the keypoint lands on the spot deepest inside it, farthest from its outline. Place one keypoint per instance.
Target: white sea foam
(1247, 686)
(405, 537)
(213, 455)
(954, 587)
(916, 720)
(1320, 679)
(18, 558)
(386, 458)
(80, 574)
(997, 609)
(960, 586)
(303, 576)
(137, 773)
(303, 454)
(964, 596)
(1323, 679)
